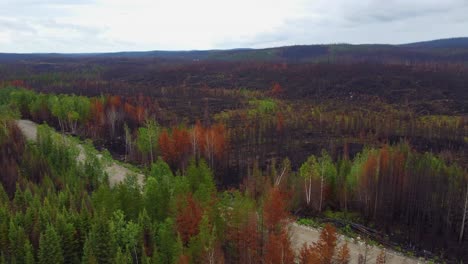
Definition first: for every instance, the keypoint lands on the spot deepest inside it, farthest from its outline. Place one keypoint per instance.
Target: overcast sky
(119, 25)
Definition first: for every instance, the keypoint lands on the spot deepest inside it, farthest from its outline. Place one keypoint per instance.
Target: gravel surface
(302, 234)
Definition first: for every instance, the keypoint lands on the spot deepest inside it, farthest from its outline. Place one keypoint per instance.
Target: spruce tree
(102, 241)
(69, 240)
(29, 254)
(50, 250)
(88, 254)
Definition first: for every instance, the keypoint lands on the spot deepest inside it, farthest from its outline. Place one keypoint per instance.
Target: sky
(74, 26)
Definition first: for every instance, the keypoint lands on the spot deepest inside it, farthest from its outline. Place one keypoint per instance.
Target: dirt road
(116, 172)
(301, 234)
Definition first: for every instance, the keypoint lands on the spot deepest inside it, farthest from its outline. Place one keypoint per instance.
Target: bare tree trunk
(112, 118)
(462, 229)
(136, 255)
(321, 190)
(61, 125)
(278, 179)
(308, 190)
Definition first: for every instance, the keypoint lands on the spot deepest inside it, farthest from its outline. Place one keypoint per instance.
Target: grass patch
(309, 222)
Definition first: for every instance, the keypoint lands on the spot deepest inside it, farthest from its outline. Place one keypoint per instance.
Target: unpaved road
(302, 234)
(299, 234)
(116, 172)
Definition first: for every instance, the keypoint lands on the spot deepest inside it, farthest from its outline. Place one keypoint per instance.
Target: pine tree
(343, 255)
(69, 241)
(278, 248)
(29, 254)
(169, 247)
(189, 215)
(50, 250)
(88, 253)
(17, 239)
(102, 241)
(4, 221)
(323, 251)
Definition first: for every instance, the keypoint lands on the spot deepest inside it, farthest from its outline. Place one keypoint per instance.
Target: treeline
(435, 88)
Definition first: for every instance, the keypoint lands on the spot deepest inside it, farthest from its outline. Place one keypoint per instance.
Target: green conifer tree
(50, 250)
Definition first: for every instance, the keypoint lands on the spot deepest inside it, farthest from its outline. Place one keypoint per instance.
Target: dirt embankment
(116, 172)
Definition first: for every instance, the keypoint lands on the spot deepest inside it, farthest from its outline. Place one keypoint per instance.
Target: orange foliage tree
(197, 139)
(278, 245)
(210, 141)
(245, 238)
(343, 255)
(175, 146)
(189, 214)
(278, 248)
(323, 251)
(276, 90)
(219, 140)
(166, 146)
(181, 141)
(275, 211)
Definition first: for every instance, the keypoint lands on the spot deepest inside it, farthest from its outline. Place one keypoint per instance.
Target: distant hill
(444, 50)
(440, 43)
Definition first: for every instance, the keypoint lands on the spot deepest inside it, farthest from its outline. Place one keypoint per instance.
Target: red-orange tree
(189, 214)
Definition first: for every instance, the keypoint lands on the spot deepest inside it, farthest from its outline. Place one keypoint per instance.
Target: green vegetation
(262, 106)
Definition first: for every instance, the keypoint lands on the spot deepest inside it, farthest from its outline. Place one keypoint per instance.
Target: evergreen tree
(29, 254)
(129, 196)
(88, 253)
(17, 239)
(69, 240)
(170, 247)
(50, 250)
(158, 190)
(201, 181)
(4, 222)
(101, 241)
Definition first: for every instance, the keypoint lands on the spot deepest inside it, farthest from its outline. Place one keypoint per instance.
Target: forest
(232, 153)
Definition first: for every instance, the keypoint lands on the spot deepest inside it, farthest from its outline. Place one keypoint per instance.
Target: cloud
(116, 25)
(371, 21)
